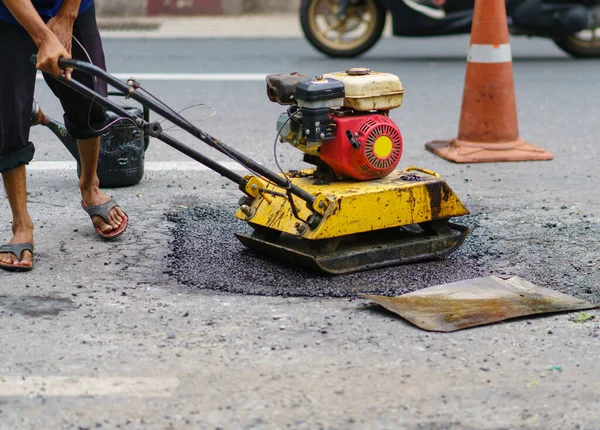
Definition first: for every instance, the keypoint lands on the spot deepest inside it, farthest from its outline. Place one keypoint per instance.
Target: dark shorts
(83, 119)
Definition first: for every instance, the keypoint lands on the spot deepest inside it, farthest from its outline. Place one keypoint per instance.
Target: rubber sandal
(102, 211)
(17, 250)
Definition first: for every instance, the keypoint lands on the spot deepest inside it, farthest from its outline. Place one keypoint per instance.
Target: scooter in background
(348, 28)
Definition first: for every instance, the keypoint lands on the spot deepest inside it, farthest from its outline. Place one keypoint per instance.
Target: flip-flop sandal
(17, 250)
(102, 211)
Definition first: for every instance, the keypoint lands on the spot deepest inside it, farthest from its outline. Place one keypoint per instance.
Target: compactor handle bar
(153, 129)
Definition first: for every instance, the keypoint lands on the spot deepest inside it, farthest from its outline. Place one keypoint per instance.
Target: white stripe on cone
(490, 53)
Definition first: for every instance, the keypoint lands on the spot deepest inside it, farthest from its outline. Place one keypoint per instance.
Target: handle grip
(63, 63)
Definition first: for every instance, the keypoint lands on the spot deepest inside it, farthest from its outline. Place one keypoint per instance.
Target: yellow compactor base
(398, 219)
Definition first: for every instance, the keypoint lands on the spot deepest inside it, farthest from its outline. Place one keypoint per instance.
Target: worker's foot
(22, 234)
(431, 8)
(93, 196)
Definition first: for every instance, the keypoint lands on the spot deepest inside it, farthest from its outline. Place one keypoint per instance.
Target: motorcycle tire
(578, 47)
(333, 48)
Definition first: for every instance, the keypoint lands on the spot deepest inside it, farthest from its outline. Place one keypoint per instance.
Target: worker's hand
(49, 52)
(62, 27)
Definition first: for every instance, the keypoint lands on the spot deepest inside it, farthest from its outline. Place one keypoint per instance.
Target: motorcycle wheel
(360, 29)
(585, 44)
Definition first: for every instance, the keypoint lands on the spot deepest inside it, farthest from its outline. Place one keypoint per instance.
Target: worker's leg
(90, 185)
(17, 82)
(22, 225)
(86, 120)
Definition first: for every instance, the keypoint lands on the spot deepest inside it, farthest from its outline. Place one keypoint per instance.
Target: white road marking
(206, 77)
(76, 386)
(149, 166)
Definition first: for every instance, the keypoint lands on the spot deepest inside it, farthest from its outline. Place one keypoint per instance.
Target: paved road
(101, 335)
(432, 71)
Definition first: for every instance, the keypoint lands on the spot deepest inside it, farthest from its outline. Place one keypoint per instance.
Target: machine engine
(340, 121)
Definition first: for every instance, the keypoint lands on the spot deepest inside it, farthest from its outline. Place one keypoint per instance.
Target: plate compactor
(353, 211)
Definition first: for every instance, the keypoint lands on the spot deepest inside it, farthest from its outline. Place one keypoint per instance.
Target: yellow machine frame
(412, 196)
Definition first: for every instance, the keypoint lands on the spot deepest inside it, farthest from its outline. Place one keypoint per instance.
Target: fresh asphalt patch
(205, 254)
(212, 257)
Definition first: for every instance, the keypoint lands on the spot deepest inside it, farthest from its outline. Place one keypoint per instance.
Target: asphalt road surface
(176, 326)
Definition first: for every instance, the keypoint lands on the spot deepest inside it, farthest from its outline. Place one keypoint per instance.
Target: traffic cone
(488, 129)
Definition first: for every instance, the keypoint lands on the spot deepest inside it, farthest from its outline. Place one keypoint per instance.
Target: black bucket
(122, 147)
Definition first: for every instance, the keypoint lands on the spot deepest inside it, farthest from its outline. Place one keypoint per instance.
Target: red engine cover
(379, 147)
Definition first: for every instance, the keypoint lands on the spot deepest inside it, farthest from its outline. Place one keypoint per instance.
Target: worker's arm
(62, 26)
(50, 49)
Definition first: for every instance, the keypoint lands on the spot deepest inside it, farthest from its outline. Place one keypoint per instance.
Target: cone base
(460, 151)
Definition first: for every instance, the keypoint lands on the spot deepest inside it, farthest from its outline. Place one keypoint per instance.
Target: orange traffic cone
(488, 129)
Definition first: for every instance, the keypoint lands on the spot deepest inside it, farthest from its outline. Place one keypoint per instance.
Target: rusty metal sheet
(474, 302)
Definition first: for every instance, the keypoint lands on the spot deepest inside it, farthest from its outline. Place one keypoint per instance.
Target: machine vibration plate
(362, 251)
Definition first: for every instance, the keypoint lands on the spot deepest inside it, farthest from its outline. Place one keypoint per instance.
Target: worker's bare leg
(89, 150)
(15, 183)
